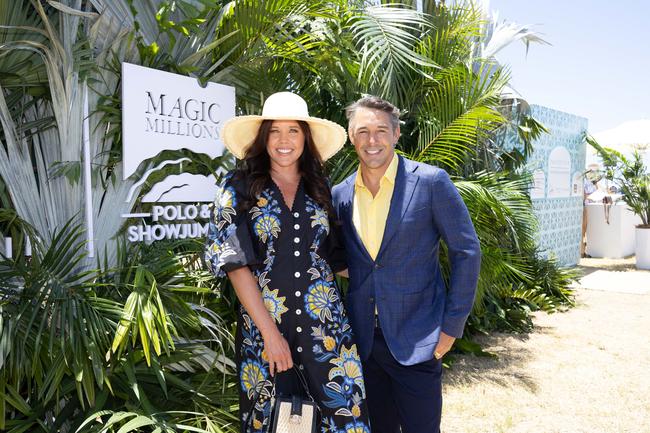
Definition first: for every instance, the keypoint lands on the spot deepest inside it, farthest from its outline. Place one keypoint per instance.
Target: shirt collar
(389, 175)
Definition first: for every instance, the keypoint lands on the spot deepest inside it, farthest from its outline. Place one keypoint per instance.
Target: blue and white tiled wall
(560, 218)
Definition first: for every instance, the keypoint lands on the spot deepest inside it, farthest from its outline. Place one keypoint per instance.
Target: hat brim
(239, 133)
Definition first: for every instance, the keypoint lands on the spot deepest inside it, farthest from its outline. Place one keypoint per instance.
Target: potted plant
(633, 178)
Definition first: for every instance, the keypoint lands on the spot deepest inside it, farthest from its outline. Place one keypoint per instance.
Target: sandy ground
(586, 370)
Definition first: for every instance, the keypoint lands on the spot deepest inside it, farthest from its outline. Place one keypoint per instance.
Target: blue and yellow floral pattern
(252, 376)
(267, 226)
(274, 303)
(294, 273)
(320, 300)
(348, 367)
(320, 220)
(224, 206)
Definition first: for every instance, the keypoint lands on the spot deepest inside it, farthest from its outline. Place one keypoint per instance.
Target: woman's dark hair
(256, 169)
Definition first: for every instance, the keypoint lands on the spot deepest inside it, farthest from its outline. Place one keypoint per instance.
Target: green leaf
(136, 423)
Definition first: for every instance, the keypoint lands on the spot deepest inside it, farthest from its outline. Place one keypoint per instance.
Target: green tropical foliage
(631, 175)
(140, 338)
(71, 345)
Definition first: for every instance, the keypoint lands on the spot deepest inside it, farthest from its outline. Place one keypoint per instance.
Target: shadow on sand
(512, 353)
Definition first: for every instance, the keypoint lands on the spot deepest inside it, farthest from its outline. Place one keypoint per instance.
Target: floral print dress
(293, 253)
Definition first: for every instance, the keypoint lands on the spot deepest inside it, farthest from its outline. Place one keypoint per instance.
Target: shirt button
(299, 329)
(296, 253)
(298, 312)
(296, 214)
(298, 293)
(296, 240)
(296, 226)
(299, 349)
(297, 275)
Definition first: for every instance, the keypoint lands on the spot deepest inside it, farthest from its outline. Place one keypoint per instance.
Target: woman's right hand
(277, 351)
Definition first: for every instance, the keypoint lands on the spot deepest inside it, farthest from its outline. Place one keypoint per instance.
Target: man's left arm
(452, 220)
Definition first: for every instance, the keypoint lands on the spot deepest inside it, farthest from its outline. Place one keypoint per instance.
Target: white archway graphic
(559, 173)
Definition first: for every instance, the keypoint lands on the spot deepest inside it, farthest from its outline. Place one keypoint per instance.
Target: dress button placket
(297, 274)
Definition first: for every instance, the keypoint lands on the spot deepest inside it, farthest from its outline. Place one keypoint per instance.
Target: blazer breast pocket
(420, 213)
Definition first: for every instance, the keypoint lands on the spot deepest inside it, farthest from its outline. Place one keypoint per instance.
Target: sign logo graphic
(165, 111)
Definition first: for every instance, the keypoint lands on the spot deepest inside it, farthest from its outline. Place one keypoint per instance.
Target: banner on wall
(164, 111)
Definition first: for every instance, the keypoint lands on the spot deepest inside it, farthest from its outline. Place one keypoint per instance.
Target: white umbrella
(628, 136)
(625, 138)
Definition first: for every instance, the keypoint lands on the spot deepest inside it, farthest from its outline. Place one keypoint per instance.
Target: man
(394, 213)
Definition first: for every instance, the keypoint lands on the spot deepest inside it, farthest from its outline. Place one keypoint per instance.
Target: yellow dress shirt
(369, 213)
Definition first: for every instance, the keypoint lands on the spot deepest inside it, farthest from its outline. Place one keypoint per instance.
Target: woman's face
(285, 144)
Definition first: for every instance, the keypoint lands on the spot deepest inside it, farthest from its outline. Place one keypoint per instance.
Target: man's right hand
(277, 351)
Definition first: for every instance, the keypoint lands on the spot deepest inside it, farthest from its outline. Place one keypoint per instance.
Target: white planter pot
(642, 248)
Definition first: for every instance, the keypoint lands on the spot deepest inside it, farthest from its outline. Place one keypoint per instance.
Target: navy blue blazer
(405, 281)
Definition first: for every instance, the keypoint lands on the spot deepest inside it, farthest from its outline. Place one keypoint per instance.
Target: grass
(586, 370)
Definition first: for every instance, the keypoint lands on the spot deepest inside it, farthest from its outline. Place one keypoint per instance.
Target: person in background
(590, 186)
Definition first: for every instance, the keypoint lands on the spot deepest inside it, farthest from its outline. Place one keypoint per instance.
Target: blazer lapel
(348, 218)
(405, 183)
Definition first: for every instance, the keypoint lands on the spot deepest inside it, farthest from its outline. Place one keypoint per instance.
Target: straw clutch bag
(293, 414)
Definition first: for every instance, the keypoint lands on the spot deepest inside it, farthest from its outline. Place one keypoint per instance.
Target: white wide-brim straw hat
(239, 132)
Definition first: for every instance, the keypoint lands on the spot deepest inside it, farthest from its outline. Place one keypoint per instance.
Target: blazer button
(371, 300)
(377, 266)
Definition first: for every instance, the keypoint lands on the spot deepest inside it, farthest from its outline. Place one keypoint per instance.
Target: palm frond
(505, 223)
(53, 310)
(458, 113)
(501, 34)
(386, 38)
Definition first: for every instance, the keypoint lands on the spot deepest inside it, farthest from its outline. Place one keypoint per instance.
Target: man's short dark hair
(375, 103)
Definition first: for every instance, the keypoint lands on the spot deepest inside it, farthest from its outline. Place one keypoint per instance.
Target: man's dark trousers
(410, 396)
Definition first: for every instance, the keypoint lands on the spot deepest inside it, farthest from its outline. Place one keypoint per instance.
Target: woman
(272, 234)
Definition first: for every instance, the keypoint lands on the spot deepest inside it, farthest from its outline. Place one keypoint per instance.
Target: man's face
(373, 138)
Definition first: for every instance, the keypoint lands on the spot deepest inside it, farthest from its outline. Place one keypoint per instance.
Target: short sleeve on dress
(229, 244)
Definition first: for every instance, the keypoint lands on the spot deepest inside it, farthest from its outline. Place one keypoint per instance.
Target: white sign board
(164, 111)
